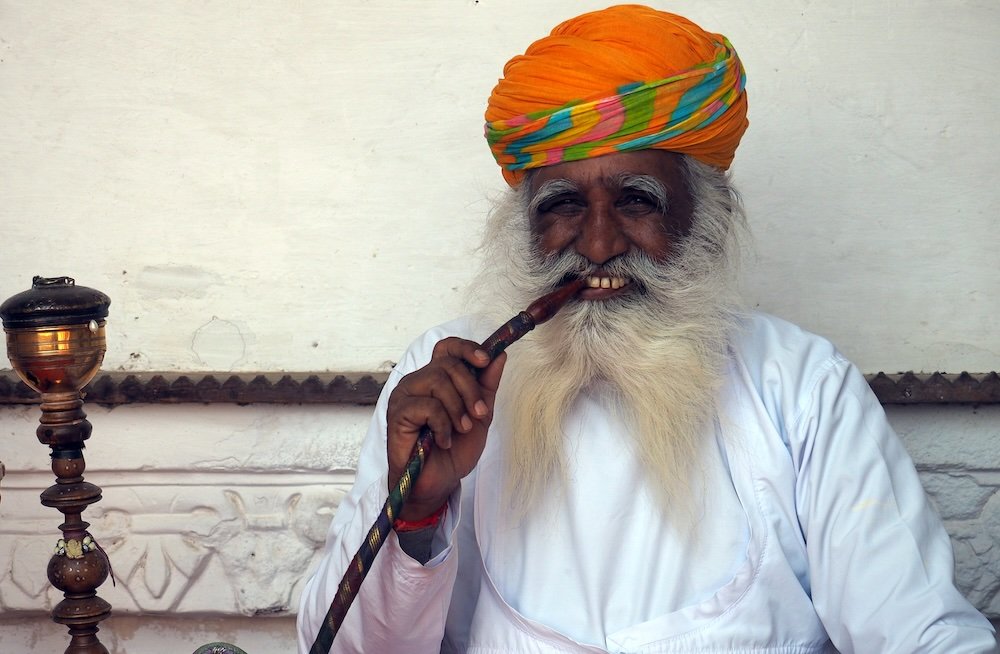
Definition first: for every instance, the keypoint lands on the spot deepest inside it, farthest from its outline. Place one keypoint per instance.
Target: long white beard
(662, 350)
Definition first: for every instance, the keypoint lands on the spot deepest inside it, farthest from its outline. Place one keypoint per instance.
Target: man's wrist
(407, 523)
(416, 536)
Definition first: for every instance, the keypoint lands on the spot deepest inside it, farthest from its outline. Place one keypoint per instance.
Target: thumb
(489, 377)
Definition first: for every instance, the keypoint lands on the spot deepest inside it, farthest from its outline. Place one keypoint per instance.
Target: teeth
(606, 282)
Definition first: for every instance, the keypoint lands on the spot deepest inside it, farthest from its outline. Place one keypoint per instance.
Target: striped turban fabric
(616, 80)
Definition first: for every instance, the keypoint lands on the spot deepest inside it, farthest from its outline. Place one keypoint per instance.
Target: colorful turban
(621, 79)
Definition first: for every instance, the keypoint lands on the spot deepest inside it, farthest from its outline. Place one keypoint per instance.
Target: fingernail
(481, 354)
(466, 423)
(481, 408)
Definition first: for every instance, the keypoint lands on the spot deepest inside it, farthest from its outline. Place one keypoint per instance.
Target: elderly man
(659, 470)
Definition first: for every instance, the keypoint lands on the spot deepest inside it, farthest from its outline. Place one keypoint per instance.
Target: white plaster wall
(293, 186)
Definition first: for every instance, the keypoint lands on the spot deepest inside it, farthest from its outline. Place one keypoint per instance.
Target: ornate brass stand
(55, 342)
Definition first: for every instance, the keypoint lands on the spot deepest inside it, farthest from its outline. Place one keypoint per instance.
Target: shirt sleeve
(402, 605)
(880, 561)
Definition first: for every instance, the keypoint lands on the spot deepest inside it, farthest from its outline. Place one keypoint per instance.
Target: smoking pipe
(537, 313)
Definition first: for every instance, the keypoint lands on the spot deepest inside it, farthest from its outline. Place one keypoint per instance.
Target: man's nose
(601, 238)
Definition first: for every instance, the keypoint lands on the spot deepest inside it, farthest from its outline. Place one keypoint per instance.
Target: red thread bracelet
(424, 523)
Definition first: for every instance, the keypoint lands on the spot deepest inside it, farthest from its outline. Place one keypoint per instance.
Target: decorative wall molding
(234, 544)
(226, 543)
(116, 388)
(936, 388)
(362, 388)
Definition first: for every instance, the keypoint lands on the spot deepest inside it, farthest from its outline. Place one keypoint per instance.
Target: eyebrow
(646, 184)
(548, 191)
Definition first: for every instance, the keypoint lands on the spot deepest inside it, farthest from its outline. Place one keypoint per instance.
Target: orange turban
(620, 79)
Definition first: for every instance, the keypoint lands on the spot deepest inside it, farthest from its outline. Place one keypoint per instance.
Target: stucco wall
(299, 186)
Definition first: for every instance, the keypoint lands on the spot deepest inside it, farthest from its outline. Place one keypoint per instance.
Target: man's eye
(561, 206)
(638, 203)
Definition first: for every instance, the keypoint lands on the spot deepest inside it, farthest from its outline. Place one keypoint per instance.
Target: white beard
(662, 348)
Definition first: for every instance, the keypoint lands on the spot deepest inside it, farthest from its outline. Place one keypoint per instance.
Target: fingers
(453, 394)
(405, 425)
(489, 377)
(451, 378)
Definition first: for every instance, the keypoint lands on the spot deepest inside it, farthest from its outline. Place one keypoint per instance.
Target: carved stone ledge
(936, 388)
(114, 388)
(117, 388)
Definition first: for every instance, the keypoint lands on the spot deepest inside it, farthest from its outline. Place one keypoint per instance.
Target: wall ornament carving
(116, 388)
(232, 544)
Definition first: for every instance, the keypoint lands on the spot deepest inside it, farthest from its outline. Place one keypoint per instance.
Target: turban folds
(620, 79)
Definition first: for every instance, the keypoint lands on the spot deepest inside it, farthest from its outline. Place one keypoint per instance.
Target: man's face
(609, 206)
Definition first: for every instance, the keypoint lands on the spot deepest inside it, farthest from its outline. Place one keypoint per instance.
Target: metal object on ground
(56, 343)
(219, 648)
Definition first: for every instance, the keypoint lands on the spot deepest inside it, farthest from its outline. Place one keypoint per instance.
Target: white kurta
(815, 534)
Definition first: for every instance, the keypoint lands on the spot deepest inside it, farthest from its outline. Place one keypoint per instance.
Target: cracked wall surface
(957, 452)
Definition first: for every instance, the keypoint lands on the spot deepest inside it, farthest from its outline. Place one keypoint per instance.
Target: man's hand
(447, 396)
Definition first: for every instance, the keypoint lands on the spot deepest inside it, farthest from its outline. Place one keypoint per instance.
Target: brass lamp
(55, 342)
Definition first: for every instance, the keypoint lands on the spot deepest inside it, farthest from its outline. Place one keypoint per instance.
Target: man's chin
(612, 305)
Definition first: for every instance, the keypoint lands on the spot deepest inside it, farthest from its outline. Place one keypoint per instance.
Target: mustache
(552, 271)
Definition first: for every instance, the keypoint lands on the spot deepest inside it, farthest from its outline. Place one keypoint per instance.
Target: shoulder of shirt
(786, 364)
(471, 327)
(764, 340)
